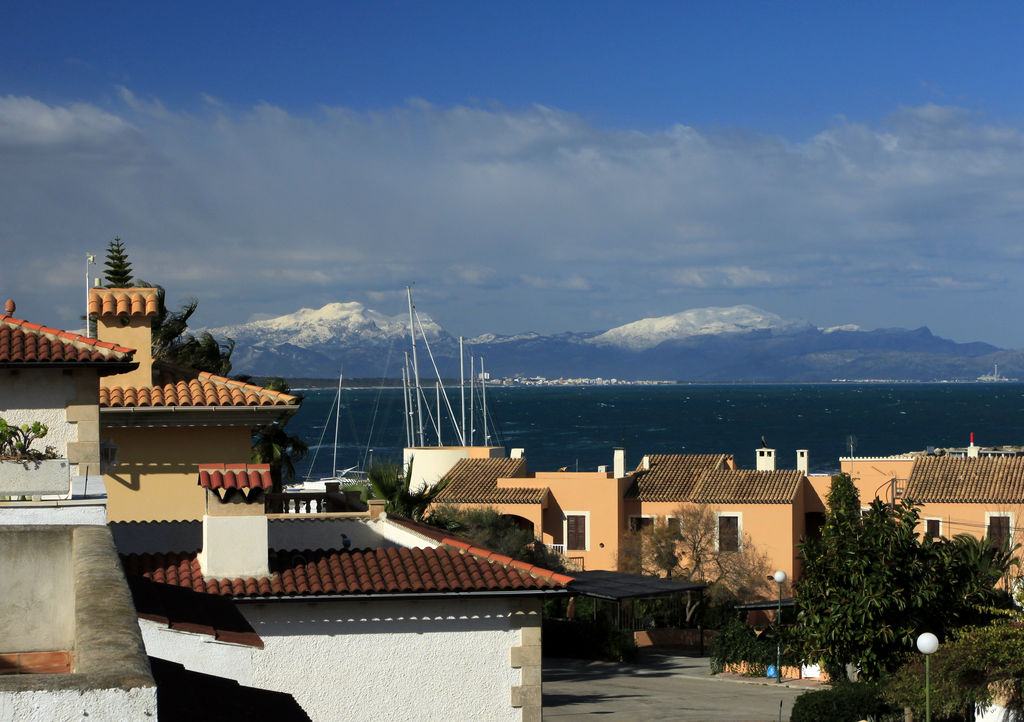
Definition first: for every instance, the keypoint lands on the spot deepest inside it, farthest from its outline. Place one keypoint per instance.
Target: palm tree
(272, 444)
(389, 483)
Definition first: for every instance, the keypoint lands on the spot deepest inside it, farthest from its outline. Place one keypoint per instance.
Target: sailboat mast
(337, 425)
(472, 386)
(438, 389)
(483, 400)
(415, 367)
(462, 390)
(405, 401)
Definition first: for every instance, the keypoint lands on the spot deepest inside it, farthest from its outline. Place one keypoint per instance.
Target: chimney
(235, 542)
(124, 316)
(645, 463)
(619, 462)
(517, 453)
(803, 463)
(765, 459)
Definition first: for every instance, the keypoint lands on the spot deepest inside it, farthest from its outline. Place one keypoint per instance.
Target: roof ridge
(77, 340)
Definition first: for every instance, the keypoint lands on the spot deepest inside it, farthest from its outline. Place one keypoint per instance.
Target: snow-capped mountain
(714, 320)
(332, 325)
(735, 343)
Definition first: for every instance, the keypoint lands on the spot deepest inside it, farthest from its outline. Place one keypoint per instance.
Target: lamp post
(780, 579)
(927, 643)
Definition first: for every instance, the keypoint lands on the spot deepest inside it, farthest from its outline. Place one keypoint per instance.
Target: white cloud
(243, 207)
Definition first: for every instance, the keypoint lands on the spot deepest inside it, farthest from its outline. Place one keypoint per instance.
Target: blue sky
(528, 166)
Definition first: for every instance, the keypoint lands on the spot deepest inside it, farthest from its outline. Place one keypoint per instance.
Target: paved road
(661, 686)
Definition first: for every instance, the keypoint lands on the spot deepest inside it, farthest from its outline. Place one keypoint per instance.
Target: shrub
(845, 702)
(737, 642)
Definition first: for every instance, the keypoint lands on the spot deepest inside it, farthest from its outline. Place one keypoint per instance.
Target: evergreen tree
(119, 270)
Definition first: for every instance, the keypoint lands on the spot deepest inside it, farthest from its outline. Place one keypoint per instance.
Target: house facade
(166, 420)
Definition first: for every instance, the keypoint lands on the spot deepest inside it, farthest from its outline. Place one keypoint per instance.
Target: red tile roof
(476, 481)
(184, 387)
(223, 478)
(985, 480)
(24, 342)
(123, 302)
(355, 572)
(746, 486)
(673, 477)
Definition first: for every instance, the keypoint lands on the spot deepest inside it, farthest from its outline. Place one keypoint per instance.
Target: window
(673, 523)
(639, 523)
(576, 532)
(728, 532)
(933, 528)
(998, 529)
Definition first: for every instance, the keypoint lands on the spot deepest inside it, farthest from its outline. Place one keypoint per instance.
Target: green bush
(738, 642)
(845, 702)
(587, 640)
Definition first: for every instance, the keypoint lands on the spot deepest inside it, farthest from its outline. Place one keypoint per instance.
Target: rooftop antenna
(851, 443)
(90, 260)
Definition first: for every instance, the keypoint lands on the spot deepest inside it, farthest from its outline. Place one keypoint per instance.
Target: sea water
(577, 427)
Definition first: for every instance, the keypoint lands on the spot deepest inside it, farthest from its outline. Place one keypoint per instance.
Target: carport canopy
(619, 586)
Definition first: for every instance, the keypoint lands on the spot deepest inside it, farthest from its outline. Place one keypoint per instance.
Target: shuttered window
(728, 533)
(934, 527)
(576, 533)
(999, 531)
(638, 523)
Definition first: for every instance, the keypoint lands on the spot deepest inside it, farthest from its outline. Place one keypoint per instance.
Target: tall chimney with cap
(235, 535)
(803, 463)
(765, 459)
(124, 316)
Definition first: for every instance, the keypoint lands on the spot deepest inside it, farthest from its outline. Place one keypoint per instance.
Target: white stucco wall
(199, 652)
(93, 514)
(390, 660)
(429, 464)
(96, 705)
(41, 395)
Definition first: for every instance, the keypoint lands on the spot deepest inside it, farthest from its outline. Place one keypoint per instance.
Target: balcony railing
(572, 563)
(313, 502)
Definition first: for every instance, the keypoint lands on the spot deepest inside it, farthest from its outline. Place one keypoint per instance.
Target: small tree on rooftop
(119, 270)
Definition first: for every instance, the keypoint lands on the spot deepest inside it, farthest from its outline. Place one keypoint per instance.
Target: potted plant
(25, 471)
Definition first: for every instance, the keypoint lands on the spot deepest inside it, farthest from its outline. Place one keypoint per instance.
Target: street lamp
(780, 579)
(927, 643)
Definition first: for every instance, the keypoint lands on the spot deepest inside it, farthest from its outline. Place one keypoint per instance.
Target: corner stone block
(525, 656)
(530, 636)
(526, 696)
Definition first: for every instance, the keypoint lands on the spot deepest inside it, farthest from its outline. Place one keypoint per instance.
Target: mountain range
(714, 344)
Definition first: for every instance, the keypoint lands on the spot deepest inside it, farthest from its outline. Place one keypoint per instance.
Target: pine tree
(119, 270)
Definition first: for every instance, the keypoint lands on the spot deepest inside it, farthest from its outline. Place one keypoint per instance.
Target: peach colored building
(167, 420)
(587, 515)
(980, 496)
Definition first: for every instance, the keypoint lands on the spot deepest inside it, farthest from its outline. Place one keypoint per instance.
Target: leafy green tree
(388, 482)
(272, 444)
(119, 270)
(979, 665)
(492, 530)
(871, 585)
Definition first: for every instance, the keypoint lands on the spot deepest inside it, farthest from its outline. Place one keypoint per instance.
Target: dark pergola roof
(774, 604)
(618, 585)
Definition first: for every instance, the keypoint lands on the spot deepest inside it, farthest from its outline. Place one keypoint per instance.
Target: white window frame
(1009, 514)
(739, 528)
(565, 530)
(938, 519)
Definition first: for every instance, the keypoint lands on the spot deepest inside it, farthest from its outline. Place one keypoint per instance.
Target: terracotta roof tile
(476, 481)
(746, 486)
(25, 342)
(123, 302)
(223, 478)
(184, 387)
(985, 480)
(358, 572)
(673, 477)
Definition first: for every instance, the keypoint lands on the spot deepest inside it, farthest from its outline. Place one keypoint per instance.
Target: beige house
(167, 420)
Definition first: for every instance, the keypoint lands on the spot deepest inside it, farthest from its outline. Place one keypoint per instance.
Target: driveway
(661, 685)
